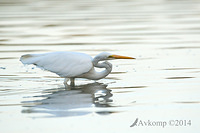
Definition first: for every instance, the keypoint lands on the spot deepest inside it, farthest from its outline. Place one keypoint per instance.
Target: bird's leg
(67, 87)
(72, 84)
(66, 80)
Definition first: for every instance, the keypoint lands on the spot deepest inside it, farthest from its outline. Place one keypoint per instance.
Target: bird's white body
(64, 64)
(72, 64)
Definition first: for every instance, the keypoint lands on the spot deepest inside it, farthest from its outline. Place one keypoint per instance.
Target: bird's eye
(110, 56)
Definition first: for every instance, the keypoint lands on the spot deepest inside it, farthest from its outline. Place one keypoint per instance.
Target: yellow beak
(121, 57)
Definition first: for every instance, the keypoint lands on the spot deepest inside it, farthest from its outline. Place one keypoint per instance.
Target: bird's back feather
(65, 64)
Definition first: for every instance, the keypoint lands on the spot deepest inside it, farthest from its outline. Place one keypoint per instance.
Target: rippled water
(161, 85)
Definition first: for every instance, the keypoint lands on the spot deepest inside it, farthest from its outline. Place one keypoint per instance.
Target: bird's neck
(95, 61)
(93, 74)
(104, 73)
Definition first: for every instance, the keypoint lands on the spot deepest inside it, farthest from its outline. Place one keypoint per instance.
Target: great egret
(70, 65)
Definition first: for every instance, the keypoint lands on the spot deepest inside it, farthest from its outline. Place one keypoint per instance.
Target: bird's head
(109, 56)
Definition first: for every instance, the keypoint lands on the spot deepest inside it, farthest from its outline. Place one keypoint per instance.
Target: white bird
(70, 65)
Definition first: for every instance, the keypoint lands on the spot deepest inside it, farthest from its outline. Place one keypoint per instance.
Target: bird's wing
(65, 64)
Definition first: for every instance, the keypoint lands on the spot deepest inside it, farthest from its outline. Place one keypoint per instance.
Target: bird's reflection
(60, 102)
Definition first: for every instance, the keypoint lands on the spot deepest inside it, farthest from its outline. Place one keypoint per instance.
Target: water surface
(161, 85)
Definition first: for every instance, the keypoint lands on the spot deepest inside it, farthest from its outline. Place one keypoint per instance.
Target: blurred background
(68, 22)
(162, 84)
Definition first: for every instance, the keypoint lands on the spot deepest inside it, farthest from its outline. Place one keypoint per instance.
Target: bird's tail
(29, 59)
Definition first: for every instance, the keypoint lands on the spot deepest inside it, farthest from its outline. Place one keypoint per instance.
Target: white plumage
(65, 64)
(73, 64)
